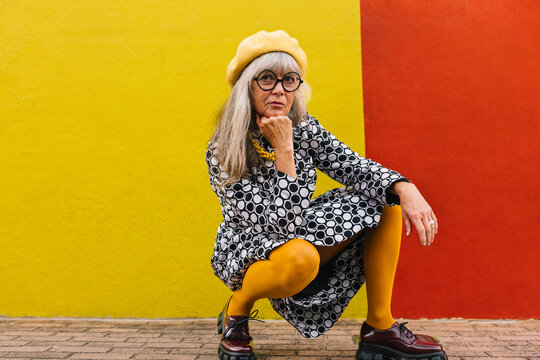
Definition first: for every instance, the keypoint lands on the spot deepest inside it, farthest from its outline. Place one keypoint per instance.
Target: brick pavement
(197, 339)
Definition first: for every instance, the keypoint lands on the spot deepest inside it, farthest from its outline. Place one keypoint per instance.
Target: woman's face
(273, 102)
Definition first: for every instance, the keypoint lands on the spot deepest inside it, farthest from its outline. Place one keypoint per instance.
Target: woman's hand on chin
(277, 130)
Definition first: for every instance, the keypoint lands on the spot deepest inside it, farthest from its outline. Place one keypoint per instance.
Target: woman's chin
(275, 112)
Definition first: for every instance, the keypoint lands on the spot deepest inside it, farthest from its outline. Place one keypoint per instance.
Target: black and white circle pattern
(264, 211)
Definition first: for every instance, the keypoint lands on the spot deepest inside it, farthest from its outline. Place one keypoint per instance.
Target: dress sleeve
(347, 167)
(275, 209)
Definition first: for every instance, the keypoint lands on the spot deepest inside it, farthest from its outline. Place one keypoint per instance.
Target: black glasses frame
(278, 80)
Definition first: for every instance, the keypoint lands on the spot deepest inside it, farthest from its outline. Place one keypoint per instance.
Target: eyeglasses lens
(291, 81)
(267, 81)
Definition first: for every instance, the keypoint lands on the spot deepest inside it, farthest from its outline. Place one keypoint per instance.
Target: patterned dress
(264, 211)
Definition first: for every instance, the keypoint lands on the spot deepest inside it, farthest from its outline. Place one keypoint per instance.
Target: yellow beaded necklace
(264, 154)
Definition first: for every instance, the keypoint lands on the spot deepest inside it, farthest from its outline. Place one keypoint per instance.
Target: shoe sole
(226, 355)
(379, 352)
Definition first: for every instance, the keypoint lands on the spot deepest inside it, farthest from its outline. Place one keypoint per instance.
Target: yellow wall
(106, 108)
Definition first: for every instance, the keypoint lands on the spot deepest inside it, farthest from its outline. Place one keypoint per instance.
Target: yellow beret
(261, 43)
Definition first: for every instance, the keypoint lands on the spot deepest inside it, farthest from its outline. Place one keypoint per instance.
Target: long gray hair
(237, 117)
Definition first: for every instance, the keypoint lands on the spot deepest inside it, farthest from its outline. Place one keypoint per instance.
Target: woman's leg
(379, 337)
(290, 268)
(381, 252)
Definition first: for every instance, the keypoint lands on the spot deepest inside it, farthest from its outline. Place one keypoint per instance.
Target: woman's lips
(277, 103)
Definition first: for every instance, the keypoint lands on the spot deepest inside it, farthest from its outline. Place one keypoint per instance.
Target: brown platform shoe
(236, 343)
(398, 342)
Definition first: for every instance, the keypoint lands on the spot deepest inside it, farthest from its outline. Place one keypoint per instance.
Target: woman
(309, 257)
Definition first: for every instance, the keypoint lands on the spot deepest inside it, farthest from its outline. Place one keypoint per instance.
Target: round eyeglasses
(267, 80)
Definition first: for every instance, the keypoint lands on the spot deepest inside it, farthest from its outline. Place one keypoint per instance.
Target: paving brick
(197, 339)
(103, 338)
(24, 348)
(200, 351)
(14, 342)
(115, 356)
(74, 349)
(116, 344)
(20, 356)
(133, 350)
(166, 357)
(316, 352)
(525, 354)
(516, 337)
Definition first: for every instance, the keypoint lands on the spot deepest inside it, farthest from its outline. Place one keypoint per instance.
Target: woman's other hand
(277, 130)
(417, 211)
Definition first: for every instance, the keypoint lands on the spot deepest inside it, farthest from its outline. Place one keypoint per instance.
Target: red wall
(451, 100)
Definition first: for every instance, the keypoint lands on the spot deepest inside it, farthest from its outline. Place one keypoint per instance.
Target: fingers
(428, 231)
(274, 122)
(421, 231)
(417, 211)
(436, 222)
(433, 224)
(281, 120)
(277, 129)
(408, 225)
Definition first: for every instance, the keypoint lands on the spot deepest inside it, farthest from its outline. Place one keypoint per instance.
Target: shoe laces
(236, 332)
(403, 330)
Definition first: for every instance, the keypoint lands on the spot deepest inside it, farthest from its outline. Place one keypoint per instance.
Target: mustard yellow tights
(290, 268)
(293, 265)
(381, 252)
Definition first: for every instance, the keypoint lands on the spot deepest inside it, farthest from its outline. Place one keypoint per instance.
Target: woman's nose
(279, 88)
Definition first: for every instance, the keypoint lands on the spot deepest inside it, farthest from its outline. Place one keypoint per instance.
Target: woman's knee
(299, 258)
